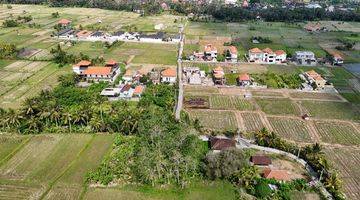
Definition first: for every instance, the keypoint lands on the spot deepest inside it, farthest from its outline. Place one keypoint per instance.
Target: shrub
(262, 189)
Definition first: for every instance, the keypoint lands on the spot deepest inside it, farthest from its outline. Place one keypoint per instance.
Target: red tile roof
(280, 175)
(98, 71)
(169, 72)
(268, 50)
(84, 63)
(126, 88)
(255, 50)
(244, 77)
(218, 69)
(139, 89)
(233, 50)
(337, 56)
(221, 143)
(209, 48)
(64, 21)
(280, 52)
(83, 33)
(111, 62)
(260, 160)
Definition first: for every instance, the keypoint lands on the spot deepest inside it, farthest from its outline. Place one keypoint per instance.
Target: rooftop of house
(97, 34)
(255, 50)
(125, 88)
(118, 33)
(304, 52)
(268, 50)
(110, 91)
(244, 77)
(280, 52)
(85, 63)
(111, 62)
(233, 50)
(337, 56)
(83, 33)
(139, 89)
(64, 21)
(169, 72)
(210, 47)
(221, 143)
(260, 160)
(280, 175)
(218, 69)
(98, 71)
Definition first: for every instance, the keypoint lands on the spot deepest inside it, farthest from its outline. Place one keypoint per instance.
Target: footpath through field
(179, 68)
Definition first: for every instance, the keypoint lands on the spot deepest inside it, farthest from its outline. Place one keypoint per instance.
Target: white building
(233, 52)
(210, 52)
(305, 58)
(266, 56)
(168, 76)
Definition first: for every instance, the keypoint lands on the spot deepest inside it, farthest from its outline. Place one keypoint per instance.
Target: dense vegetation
(312, 154)
(215, 9)
(273, 80)
(8, 51)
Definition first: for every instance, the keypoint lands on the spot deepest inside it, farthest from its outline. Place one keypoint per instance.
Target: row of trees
(215, 9)
(312, 154)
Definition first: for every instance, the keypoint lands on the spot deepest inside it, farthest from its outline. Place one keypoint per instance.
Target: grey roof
(97, 34)
(118, 33)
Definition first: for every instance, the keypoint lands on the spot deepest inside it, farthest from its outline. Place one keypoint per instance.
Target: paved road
(243, 143)
(179, 76)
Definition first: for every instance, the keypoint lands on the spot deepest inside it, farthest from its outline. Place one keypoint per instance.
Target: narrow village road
(179, 75)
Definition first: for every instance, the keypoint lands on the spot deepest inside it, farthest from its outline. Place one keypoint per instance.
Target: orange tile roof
(280, 52)
(218, 69)
(169, 72)
(84, 63)
(281, 175)
(268, 50)
(138, 89)
(336, 55)
(233, 50)
(244, 77)
(64, 21)
(210, 47)
(83, 33)
(255, 50)
(98, 71)
(111, 62)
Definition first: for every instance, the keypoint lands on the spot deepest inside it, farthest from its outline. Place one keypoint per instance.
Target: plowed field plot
(290, 129)
(230, 102)
(347, 162)
(200, 90)
(266, 94)
(332, 110)
(311, 95)
(216, 120)
(19, 192)
(338, 132)
(197, 102)
(278, 106)
(252, 122)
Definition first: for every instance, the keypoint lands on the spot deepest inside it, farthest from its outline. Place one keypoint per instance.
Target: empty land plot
(252, 122)
(64, 193)
(200, 90)
(338, 132)
(332, 110)
(290, 129)
(266, 94)
(29, 157)
(347, 161)
(277, 106)
(313, 95)
(216, 120)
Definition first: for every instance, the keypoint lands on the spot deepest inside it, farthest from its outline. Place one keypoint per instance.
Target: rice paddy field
(24, 79)
(338, 132)
(215, 119)
(50, 166)
(223, 102)
(278, 106)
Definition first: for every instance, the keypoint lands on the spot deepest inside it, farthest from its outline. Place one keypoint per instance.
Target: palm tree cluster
(71, 109)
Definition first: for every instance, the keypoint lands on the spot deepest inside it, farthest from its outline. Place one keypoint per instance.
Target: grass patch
(290, 129)
(338, 132)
